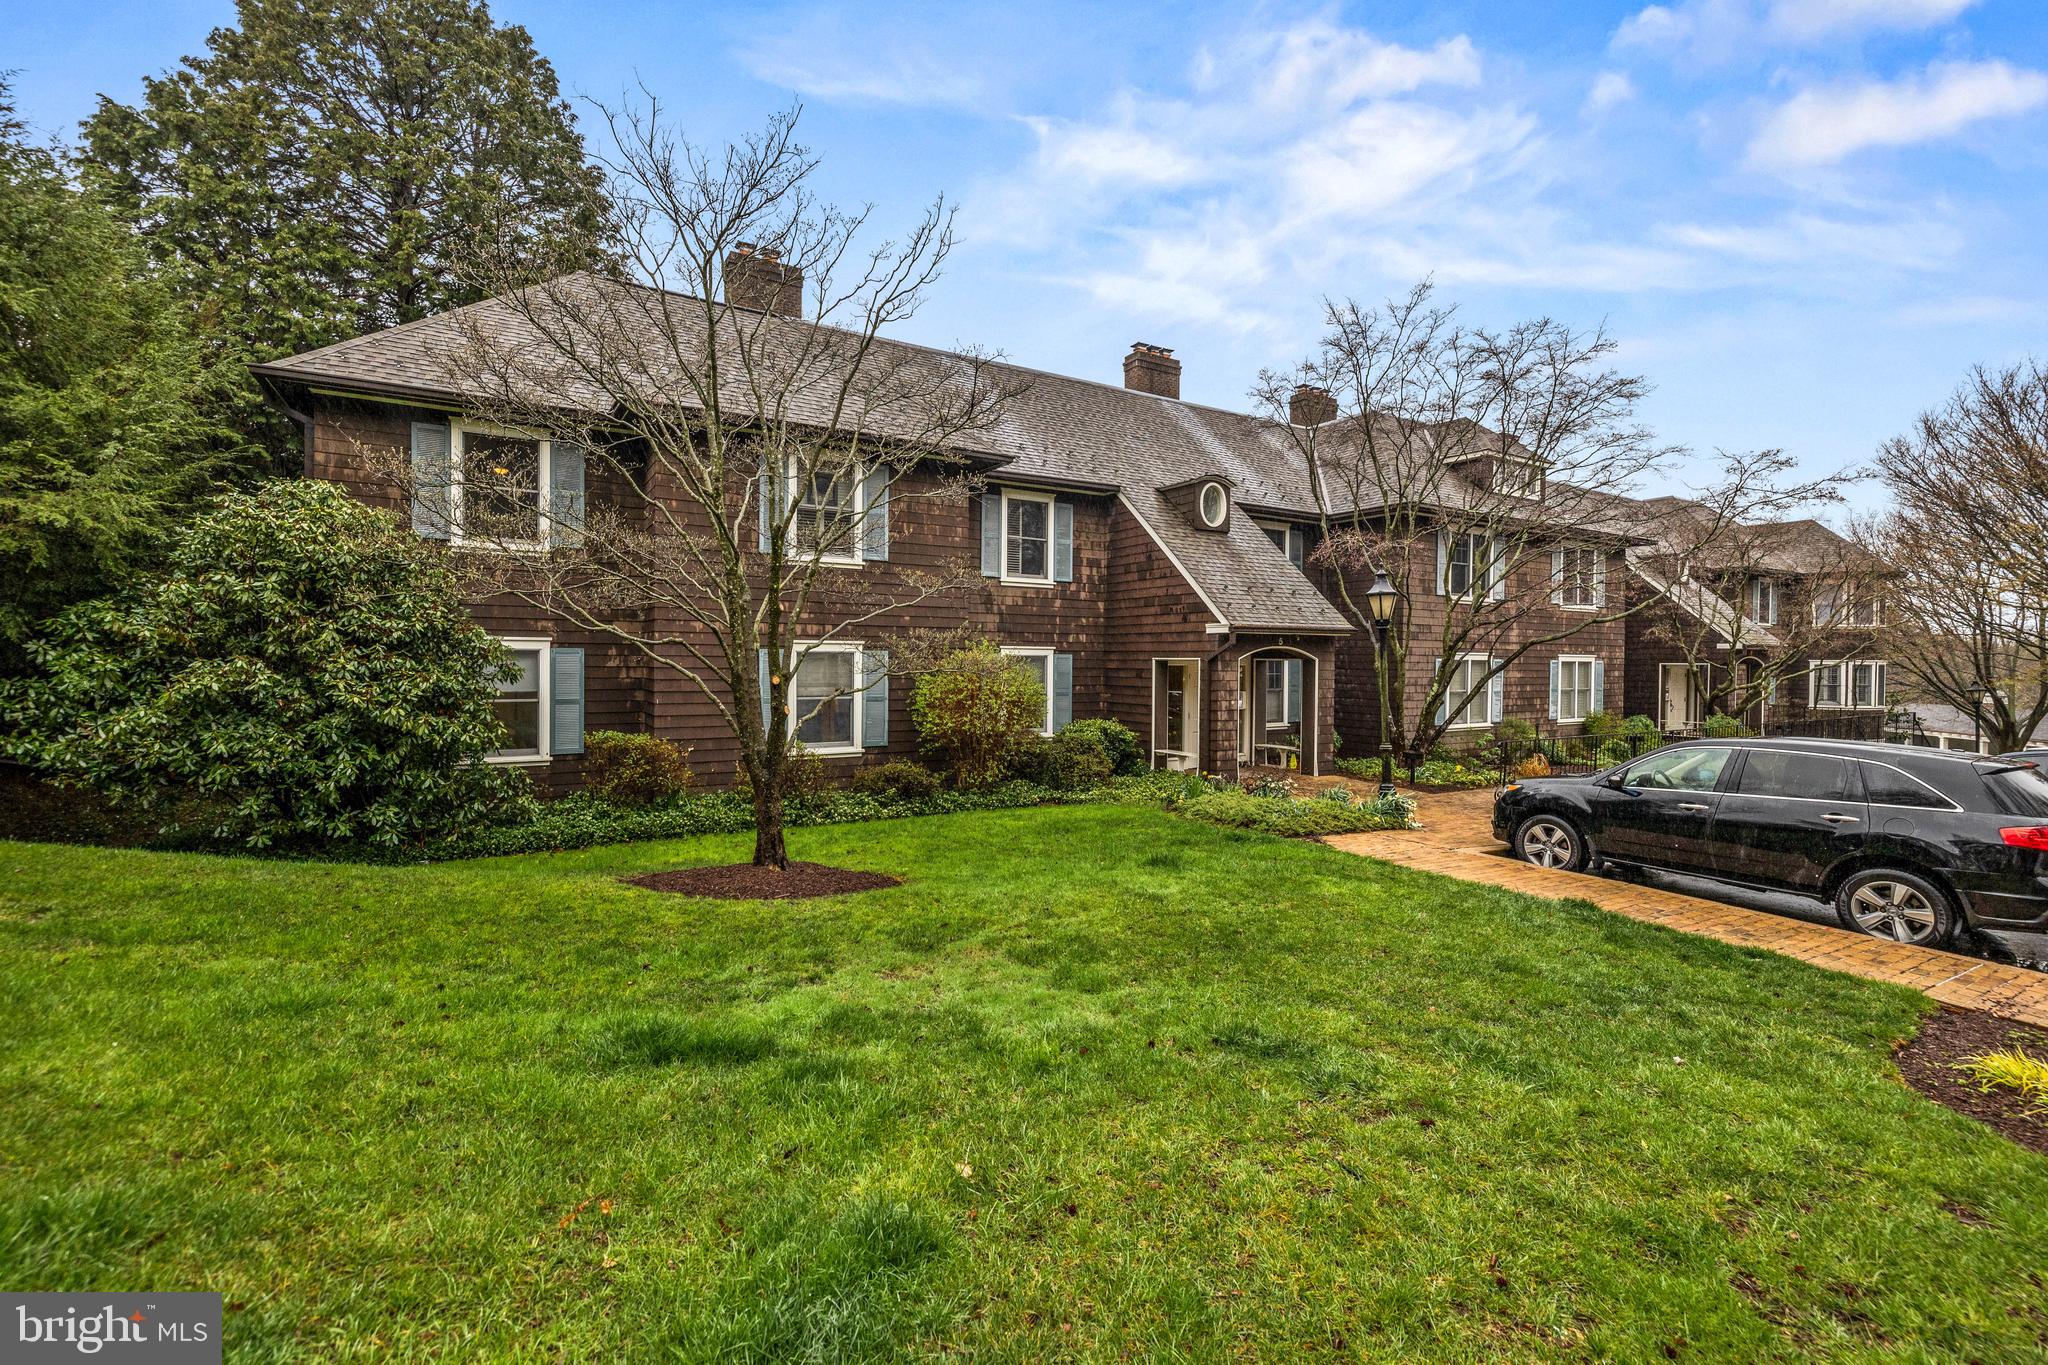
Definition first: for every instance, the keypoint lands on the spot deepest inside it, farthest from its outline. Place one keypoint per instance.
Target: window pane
(2023, 791)
(1887, 786)
(1696, 770)
(517, 705)
(1027, 520)
(827, 511)
(1815, 777)
(1468, 694)
(1276, 534)
(818, 678)
(500, 487)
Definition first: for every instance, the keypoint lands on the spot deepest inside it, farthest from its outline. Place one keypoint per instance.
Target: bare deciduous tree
(1968, 624)
(747, 430)
(1446, 457)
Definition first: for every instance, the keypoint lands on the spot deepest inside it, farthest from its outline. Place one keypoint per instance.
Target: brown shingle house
(1148, 558)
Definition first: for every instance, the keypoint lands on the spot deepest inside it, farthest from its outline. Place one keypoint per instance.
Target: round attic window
(1214, 505)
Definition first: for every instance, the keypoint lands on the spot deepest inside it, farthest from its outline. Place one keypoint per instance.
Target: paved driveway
(1457, 840)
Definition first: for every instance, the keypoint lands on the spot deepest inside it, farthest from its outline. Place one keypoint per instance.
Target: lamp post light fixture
(1380, 600)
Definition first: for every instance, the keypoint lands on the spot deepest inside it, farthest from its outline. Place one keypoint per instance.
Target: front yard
(1093, 1081)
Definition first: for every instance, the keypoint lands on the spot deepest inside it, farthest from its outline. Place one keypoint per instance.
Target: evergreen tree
(318, 172)
(106, 437)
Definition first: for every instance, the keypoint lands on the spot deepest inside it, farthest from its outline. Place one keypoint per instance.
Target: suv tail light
(2026, 836)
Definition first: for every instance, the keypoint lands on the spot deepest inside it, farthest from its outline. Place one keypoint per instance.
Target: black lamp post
(1380, 600)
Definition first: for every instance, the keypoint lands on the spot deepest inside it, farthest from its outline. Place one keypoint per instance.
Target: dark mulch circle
(1928, 1061)
(745, 882)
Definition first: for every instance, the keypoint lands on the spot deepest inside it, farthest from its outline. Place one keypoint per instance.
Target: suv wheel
(1551, 841)
(1903, 907)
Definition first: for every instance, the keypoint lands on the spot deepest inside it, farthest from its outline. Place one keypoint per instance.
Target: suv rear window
(1887, 786)
(1812, 777)
(2020, 791)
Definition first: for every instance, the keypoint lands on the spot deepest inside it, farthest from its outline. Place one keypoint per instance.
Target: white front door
(1681, 698)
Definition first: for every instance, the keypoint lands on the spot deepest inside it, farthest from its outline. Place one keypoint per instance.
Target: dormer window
(1214, 504)
(1517, 478)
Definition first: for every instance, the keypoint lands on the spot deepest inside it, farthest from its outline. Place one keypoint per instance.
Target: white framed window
(1863, 610)
(1824, 683)
(523, 701)
(1578, 577)
(1469, 567)
(1038, 663)
(1027, 537)
(824, 698)
(1866, 683)
(1472, 699)
(1289, 540)
(828, 511)
(1517, 477)
(1853, 684)
(1575, 687)
(1763, 601)
(1273, 680)
(1213, 504)
(498, 486)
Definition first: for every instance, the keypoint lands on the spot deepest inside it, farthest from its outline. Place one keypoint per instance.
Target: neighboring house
(1148, 559)
(1788, 598)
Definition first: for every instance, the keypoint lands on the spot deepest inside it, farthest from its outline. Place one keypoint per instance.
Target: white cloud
(1319, 65)
(1808, 19)
(1116, 153)
(1821, 126)
(1609, 89)
(1714, 31)
(818, 56)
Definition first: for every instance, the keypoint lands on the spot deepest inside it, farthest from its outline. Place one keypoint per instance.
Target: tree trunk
(769, 850)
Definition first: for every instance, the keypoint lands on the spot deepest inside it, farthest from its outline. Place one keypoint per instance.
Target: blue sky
(1803, 219)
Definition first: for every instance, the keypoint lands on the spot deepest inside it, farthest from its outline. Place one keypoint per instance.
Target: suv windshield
(2019, 791)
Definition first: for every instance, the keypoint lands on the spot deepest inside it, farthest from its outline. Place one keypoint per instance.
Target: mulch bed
(746, 882)
(1927, 1061)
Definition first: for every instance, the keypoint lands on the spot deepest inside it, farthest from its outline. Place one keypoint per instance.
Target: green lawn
(1094, 1081)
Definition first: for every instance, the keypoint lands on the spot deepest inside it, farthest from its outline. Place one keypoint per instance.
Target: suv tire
(1897, 906)
(1552, 841)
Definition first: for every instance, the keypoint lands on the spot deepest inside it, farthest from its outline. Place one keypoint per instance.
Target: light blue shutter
(1556, 669)
(1557, 567)
(1292, 674)
(1062, 690)
(874, 523)
(1496, 694)
(1062, 541)
(874, 699)
(565, 495)
(1599, 685)
(1496, 569)
(565, 701)
(1600, 580)
(1443, 706)
(1443, 565)
(432, 476)
(771, 492)
(992, 535)
(765, 721)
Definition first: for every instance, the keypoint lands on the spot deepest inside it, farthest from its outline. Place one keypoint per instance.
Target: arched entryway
(1276, 709)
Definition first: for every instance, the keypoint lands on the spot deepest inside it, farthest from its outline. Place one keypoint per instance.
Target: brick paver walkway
(1457, 840)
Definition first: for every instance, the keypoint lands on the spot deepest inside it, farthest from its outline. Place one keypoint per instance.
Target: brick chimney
(1152, 369)
(1311, 405)
(755, 277)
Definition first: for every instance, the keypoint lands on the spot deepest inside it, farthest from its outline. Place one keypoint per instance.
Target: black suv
(1908, 843)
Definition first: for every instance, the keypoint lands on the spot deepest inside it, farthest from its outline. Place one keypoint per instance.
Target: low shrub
(1116, 742)
(1601, 726)
(898, 780)
(1264, 784)
(803, 775)
(1060, 763)
(633, 770)
(1724, 727)
(1643, 728)
(1293, 818)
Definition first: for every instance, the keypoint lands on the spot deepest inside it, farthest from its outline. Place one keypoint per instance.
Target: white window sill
(1589, 606)
(520, 760)
(511, 547)
(834, 750)
(1470, 725)
(1010, 582)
